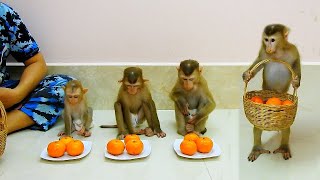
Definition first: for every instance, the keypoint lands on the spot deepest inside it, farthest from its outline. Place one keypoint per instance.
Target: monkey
(77, 115)
(276, 77)
(134, 105)
(192, 99)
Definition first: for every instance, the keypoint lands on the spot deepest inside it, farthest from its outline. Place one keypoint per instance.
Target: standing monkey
(192, 98)
(76, 115)
(134, 104)
(276, 77)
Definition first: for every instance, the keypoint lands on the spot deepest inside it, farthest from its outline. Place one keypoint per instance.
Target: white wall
(144, 31)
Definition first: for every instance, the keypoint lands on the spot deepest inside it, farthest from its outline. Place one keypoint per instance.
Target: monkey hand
(184, 108)
(160, 133)
(192, 119)
(246, 76)
(189, 127)
(148, 132)
(296, 82)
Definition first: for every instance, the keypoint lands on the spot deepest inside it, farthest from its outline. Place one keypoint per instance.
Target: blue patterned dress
(45, 104)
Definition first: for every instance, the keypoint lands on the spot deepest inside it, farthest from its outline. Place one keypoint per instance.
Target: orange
(115, 147)
(188, 147)
(56, 149)
(274, 101)
(287, 102)
(204, 144)
(191, 136)
(66, 140)
(134, 147)
(75, 147)
(257, 99)
(130, 137)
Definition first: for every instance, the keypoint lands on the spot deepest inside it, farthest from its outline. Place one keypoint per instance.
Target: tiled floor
(21, 159)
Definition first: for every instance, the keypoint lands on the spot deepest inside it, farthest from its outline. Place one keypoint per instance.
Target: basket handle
(293, 75)
(3, 115)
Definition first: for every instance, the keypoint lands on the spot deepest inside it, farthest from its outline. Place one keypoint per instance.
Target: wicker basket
(3, 128)
(270, 117)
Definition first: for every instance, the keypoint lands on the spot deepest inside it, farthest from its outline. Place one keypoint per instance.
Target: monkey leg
(284, 147)
(257, 148)
(120, 121)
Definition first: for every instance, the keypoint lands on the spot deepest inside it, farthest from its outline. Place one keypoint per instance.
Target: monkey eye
(273, 40)
(191, 79)
(266, 39)
(185, 79)
(76, 96)
(69, 96)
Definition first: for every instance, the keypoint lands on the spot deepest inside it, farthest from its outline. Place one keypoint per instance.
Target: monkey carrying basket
(270, 117)
(3, 128)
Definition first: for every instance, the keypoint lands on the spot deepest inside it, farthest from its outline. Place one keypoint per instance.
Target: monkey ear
(120, 81)
(200, 69)
(85, 90)
(286, 33)
(178, 68)
(145, 80)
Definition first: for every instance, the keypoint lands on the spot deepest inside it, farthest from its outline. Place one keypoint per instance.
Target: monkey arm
(206, 106)
(180, 101)
(88, 118)
(297, 70)
(154, 116)
(119, 117)
(67, 121)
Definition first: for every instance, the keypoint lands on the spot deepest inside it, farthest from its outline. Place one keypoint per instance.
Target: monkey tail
(108, 126)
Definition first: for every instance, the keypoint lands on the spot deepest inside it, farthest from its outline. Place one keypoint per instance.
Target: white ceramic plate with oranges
(66, 157)
(213, 152)
(125, 156)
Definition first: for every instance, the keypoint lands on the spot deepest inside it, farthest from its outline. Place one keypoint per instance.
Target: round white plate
(216, 151)
(125, 156)
(66, 157)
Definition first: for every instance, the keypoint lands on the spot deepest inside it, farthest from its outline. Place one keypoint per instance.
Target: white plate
(66, 157)
(125, 156)
(216, 151)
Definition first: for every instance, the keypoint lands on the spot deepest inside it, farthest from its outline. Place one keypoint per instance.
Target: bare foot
(255, 153)
(285, 150)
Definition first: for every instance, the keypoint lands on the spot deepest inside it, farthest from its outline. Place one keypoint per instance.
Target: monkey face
(74, 97)
(188, 82)
(132, 88)
(271, 42)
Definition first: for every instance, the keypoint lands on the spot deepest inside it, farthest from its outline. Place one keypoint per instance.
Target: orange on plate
(188, 147)
(274, 101)
(75, 147)
(134, 147)
(115, 147)
(65, 139)
(191, 136)
(130, 137)
(287, 102)
(257, 99)
(204, 144)
(56, 149)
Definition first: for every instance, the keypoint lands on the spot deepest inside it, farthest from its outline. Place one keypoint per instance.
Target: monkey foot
(204, 131)
(285, 150)
(255, 153)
